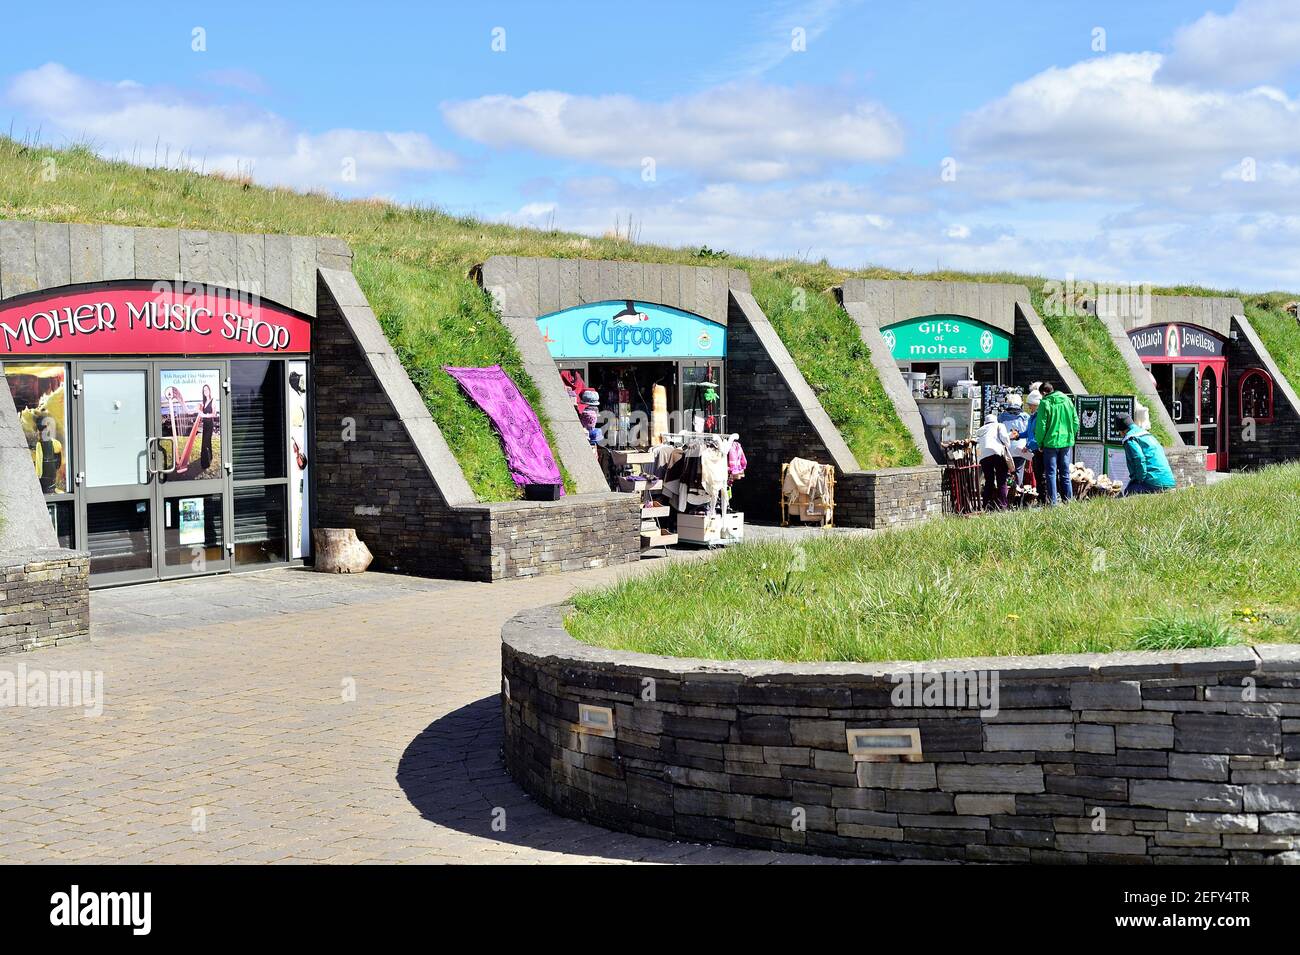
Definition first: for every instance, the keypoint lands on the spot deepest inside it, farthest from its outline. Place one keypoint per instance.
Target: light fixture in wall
(880, 745)
(595, 720)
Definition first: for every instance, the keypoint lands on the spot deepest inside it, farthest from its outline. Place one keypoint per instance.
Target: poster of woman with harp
(191, 423)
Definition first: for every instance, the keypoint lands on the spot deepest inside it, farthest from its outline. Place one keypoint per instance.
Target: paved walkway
(290, 716)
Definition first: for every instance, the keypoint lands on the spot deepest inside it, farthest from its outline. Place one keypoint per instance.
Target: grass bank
(1203, 567)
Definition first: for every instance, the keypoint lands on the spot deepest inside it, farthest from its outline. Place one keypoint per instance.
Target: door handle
(153, 446)
(1178, 410)
(151, 455)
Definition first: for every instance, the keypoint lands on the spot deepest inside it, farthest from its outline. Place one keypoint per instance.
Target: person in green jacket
(1148, 468)
(1055, 429)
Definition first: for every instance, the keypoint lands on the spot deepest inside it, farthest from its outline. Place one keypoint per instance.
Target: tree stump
(338, 550)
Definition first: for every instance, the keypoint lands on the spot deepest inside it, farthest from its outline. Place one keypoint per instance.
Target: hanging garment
(690, 480)
(575, 386)
(736, 461)
(658, 413)
(665, 455)
(713, 471)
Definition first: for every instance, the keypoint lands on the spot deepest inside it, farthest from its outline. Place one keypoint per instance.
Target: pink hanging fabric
(527, 452)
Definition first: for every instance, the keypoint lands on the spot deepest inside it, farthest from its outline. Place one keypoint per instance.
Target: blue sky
(1165, 149)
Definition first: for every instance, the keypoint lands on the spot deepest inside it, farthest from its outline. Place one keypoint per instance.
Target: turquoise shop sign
(627, 329)
(946, 338)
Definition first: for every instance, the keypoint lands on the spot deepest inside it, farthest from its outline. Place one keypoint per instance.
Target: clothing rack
(684, 439)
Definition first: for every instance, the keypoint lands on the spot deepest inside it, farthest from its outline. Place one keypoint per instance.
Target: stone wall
(1188, 465)
(383, 468)
(778, 417)
(527, 538)
(774, 424)
(901, 496)
(35, 256)
(44, 598)
(1117, 758)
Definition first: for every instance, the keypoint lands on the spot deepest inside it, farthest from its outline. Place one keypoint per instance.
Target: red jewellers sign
(159, 319)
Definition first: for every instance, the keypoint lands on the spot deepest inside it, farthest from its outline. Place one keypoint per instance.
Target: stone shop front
(188, 402)
(1202, 366)
(167, 423)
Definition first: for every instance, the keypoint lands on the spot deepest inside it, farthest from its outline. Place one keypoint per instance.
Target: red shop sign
(160, 319)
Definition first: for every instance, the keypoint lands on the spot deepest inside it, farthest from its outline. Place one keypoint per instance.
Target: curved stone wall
(1187, 756)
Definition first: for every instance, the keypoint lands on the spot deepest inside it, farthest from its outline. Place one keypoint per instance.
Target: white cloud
(747, 133)
(1107, 122)
(774, 42)
(237, 78)
(127, 119)
(958, 231)
(1256, 43)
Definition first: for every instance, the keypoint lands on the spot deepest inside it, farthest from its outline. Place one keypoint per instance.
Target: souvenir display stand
(808, 492)
(703, 515)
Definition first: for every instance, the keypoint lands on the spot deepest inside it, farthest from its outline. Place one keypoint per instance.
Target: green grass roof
(413, 264)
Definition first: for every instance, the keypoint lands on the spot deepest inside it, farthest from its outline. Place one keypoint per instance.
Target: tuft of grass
(1201, 567)
(1181, 630)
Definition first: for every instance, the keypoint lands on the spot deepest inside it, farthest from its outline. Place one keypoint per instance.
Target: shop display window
(257, 399)
(702, 398)
(40, 397)
(1257, 395)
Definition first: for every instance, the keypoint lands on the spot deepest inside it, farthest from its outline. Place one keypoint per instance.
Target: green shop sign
(946, 338)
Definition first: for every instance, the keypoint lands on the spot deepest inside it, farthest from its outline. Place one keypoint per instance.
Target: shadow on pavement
(453, 774)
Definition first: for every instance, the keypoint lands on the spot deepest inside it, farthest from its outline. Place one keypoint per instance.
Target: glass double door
(154, 483)
(1192, 393)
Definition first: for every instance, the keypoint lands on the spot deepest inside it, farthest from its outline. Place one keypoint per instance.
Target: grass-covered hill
(413, 264)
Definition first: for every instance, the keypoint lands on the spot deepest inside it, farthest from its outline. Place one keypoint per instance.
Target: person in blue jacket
(1035, 469)
(1018, 427)
(1148, 468)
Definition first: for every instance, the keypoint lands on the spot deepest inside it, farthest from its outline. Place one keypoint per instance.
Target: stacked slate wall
(44, 599)
(1184, 757)
(779, 418)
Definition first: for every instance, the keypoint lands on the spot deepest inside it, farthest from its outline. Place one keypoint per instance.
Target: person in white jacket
(994, 444)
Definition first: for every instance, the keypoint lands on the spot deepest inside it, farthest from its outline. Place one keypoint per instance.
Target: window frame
(1241, 393)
